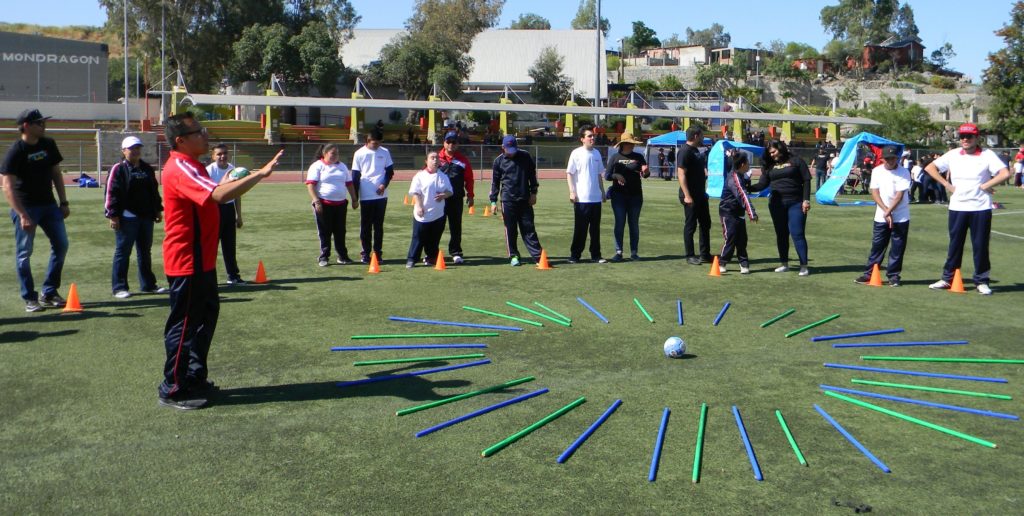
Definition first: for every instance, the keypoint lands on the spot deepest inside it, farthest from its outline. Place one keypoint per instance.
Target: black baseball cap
(31, 115)
(890, 151)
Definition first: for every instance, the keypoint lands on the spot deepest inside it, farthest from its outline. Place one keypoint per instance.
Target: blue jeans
(789, 220)
(138, 232)
(627, 209)
(51, 221)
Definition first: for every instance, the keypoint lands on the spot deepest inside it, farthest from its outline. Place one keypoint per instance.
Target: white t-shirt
(916, 173)
(216, 174)
(371, 166)
(888, 183)
(585, 170)
(330, 180)
(1018, 167)
(429, 185)
(968, 172)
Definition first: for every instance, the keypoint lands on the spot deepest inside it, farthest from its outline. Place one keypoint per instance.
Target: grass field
(81, 432)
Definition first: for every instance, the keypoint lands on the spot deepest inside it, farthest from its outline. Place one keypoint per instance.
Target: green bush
(945, 83)
(662, 124)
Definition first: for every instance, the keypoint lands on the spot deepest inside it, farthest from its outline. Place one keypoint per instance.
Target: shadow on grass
(62, 317)
(411, 388)
(10, 337)
(289, 281)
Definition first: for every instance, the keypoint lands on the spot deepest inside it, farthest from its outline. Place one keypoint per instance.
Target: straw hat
(628, 138)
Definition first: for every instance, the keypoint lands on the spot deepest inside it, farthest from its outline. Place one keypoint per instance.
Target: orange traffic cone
(714, 268)
(487, 211)
(472, 210)
(876, 277)
(405, 200)
(374, 264)
(958, 283)
(261, 274)
(73, 304)
(439, 264)
(543, 264)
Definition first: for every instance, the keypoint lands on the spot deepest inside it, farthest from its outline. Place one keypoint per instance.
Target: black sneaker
(53, 300)
(863, 279)
(344, 260)
(693, 260)
(573, 260)
(204, 388)
(365, 260)
(616, 258)
(410, 264)
(236, 281)
(182, 404)
(634, 256)
(894, 282)
(33, 306)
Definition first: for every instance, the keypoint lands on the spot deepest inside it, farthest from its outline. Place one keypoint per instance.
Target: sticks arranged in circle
(815, 324)
(424, 335)
(538, 314)
(789, 436)
(853, 440)
(901, 344)
(423, 372)
(746, 444)
(698, 452)
(503, 316)
(956, 360)
(453, 323)
(679, 310)
(554, 313)
(588, 432)
(528, 430)
(822, 338)
(932, 389)
(409, 346)
(643, 310)
(592, 310)
(912, 401)
(721, 313)
(917, 373)
(480, 412)
(652, 474)
(467, 395)
(416, 359)
(778, 318)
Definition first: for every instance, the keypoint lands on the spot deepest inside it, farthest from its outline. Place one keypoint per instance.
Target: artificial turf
(81, 430)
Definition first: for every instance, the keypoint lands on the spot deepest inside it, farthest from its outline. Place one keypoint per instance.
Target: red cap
(968, 128)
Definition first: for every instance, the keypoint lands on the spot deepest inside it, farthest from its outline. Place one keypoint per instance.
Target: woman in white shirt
(428, 191)
(330, 186)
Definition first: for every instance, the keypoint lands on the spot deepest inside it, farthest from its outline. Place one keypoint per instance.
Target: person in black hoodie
(133, 205)
(790, 181)
(514, 177)
(732, 208)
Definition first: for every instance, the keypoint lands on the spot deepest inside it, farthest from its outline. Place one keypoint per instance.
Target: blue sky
(968, 26)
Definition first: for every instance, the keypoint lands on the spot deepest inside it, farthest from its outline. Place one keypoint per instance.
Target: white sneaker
(457, 259)
(323, 263)
(722, 269)
(804, 271)
(984, 289)
(122, 294)
(939, 285)
(744, 269)
(784, 268)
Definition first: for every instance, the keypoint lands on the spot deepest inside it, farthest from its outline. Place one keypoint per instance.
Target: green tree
(901, 120)
(549, 86)
(1004, 78)
(712, 37)
(318, 52)
(643, 38)
(672, 41)
(942, 55)
(530, 21)
(719, 76)
(646, 87)
(261, 51)
(585, 15)
(868, 21)
(670, 83)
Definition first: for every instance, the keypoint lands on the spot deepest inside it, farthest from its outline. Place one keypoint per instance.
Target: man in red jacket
(192, 222)
(460, 174)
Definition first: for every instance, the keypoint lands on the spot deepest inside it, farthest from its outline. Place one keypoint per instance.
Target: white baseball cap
(130, 142)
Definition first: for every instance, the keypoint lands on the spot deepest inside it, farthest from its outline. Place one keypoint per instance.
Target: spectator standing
(514, 180)
(626, 169)
(586, 193)
(732, 208)
(133, 205)
(372, 171)
(456, 166)
(691, 171)
(890, 183)
(230, 215)
(790, 181)
(329, 183)
(429, 191)
(820, 163)
(31, 172)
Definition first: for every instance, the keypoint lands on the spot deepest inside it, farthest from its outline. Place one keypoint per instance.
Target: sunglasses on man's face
(201, 130)
(967, 136)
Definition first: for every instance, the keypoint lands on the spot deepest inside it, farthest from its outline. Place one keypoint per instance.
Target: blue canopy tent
(847, 160)
(716, 166)
(668, 139)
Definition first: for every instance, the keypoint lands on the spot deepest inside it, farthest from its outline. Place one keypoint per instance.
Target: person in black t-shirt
(790, 181)
(625, 169)
(692, 175)
(31, 171)
(820, 163)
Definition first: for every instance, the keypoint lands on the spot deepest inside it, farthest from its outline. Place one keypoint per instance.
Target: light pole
(124, 6)
(757, 67)
(622, 64)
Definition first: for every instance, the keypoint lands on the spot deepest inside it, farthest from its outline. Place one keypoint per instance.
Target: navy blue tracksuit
(733, 207)
(515, 179)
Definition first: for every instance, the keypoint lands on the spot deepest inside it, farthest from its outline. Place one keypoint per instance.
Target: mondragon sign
(25, 57)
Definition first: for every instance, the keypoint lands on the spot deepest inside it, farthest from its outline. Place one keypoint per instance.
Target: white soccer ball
(675, 347)
(239, 172)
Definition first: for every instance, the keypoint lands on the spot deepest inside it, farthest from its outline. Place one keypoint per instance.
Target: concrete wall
(81, 110)
(40, 68)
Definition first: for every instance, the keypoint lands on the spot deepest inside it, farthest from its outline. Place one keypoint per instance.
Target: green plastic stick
(778, 318)
(789, 435)
(556, 314)
(641, 307)
(914, 420)
(699, 451)
(798, 331)
(415, 359)
(526, 431)
(458, 397)
(425, 335)
(964, 360)
(503, 316)
(538, 314)
(933, 389)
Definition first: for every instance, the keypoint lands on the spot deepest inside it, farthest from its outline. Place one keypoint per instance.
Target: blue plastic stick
(820, 338)
(913, 401)
(746, 443)
(653, 473)
(422, 372)
(679, 310)
(917, 373)
(453, 323)
(592, 309)
(881, 465)
(900, 344)
(410, 346)
(721, 313)
(588, 432)
(480, 412)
